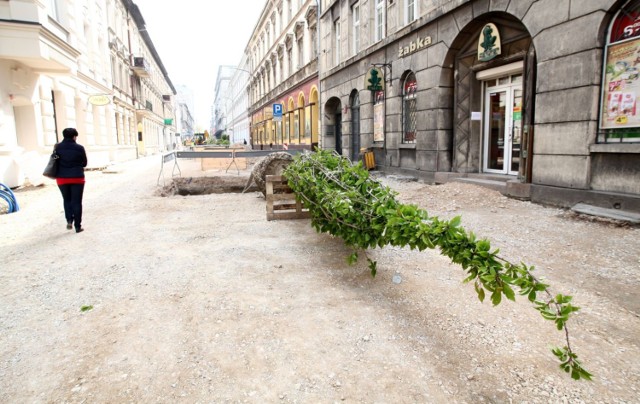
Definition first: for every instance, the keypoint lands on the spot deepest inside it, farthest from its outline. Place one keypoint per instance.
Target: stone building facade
(538, 93)
(87, 64)
(282, 58)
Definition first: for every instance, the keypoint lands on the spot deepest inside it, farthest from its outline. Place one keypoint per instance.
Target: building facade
(85, 64)
(221, 101)
(541, 93)
(237, 104)
(282, 55)
(185, 123)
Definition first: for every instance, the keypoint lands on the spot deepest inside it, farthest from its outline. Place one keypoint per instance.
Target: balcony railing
(141, 67)
(144, 108)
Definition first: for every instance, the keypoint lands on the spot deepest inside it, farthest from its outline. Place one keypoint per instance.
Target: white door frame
(508, 89)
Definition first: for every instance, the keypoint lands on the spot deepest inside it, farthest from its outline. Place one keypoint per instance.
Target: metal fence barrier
(222, 154)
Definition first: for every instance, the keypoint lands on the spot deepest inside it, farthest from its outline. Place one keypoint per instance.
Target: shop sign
(410, 88)
(374, 80)
(414, 46)
(489, 44)
(99, 99)
(168, 121)
(626, 26)
(621, 88)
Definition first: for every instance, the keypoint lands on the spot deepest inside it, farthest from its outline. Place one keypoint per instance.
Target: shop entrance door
(503, 124)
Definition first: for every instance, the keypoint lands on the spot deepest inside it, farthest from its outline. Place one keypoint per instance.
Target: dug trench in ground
(207, 185)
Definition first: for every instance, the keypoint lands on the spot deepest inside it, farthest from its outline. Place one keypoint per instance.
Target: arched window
(409, 108)
(620, 112)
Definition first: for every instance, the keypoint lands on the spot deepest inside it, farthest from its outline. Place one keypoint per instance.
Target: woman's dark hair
(69, 133)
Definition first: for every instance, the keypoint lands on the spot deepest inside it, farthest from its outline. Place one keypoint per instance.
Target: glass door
(503, 125)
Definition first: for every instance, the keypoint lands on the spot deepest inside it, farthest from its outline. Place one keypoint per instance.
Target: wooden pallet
(281, 201)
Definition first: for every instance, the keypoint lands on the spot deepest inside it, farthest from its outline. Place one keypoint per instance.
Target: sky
(194, 37)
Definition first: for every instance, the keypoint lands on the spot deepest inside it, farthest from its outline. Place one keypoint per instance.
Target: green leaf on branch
(373, 266)
(479, 291)
(496, 297)
(569, 363)
(508, 292)
(352, 258)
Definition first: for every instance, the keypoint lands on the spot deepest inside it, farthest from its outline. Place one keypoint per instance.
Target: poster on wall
(621, 86)
(378, 122)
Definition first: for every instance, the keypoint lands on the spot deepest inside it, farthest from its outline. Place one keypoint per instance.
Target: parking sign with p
(277, 112)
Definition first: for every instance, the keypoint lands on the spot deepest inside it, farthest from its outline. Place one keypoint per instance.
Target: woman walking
(70, 177)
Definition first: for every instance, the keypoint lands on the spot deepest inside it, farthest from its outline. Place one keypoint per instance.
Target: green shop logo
(374, 80)
(489, 45)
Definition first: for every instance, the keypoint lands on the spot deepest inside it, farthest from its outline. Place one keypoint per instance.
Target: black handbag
(51, 169)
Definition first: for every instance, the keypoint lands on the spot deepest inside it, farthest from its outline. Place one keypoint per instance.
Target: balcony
(43, 49)
(141, 67)
(144, 110)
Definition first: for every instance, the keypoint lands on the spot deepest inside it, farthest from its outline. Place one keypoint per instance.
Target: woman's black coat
(72, 160)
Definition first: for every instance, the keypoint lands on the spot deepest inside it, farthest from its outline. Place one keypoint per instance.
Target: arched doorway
(494, 93)
(354, 101)
(332, 124)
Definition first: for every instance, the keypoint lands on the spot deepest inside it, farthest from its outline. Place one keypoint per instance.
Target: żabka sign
(414, 46)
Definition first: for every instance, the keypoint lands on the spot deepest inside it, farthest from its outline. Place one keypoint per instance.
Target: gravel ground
(199, 299)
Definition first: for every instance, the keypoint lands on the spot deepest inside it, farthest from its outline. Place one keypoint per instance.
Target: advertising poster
(621, 86)
(378, 122)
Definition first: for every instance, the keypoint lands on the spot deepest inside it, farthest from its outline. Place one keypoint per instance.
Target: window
(289, 10)
(290, 61)
(619, 121)
(268, 37)
(314, 42)
(409, 109)
(355, 12)
(336, 30)
(53, 9)
(300, 52)
(411, 11)
(379, 20)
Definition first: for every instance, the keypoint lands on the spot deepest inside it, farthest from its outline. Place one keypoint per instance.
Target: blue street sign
(277, 110)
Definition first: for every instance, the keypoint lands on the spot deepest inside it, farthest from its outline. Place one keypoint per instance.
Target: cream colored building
(282, 56)
(88, 64)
